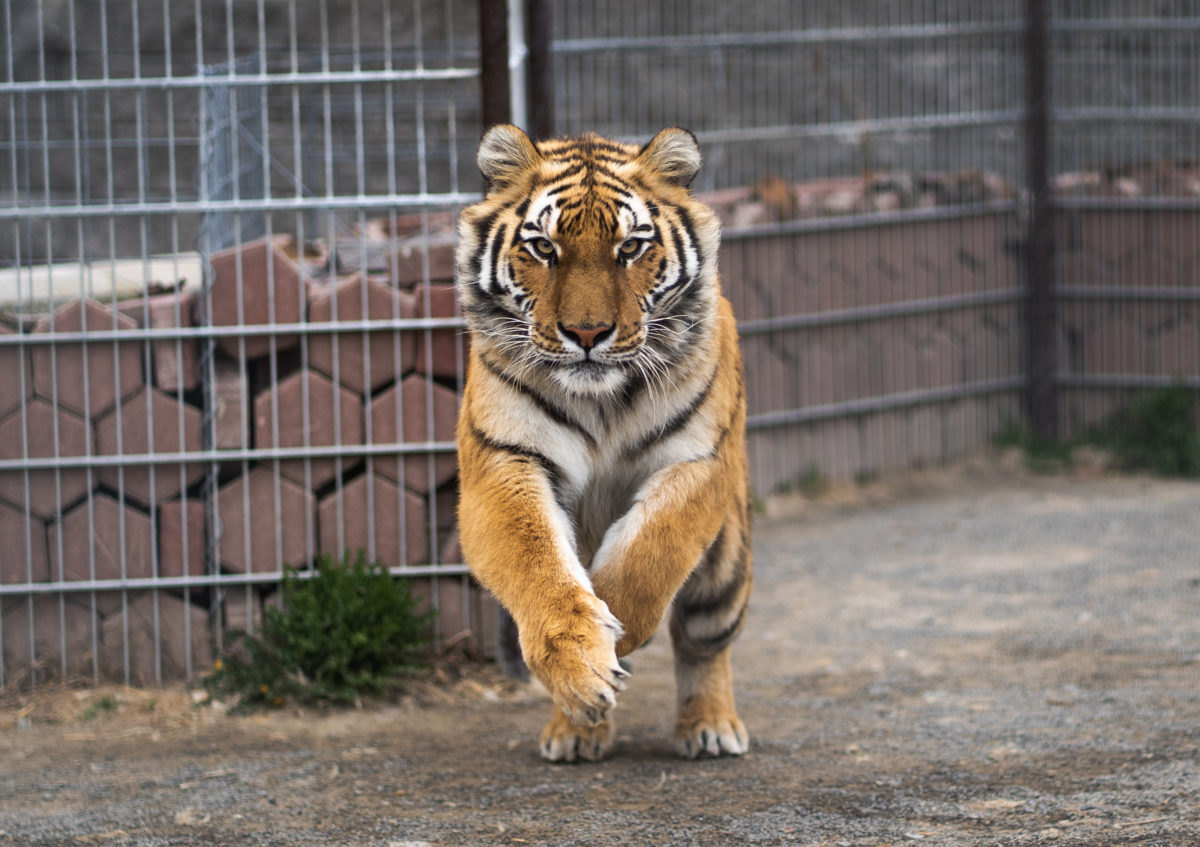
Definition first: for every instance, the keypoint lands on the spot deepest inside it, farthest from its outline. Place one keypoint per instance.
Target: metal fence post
(1040, 325)
(539, 77)
(496, 106)
(495, 89)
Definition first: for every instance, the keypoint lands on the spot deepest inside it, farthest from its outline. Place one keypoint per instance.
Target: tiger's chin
(590, 379)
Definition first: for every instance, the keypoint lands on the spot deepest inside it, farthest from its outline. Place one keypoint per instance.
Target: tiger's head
(588, 261)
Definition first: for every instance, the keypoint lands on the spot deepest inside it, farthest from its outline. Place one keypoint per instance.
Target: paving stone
(65, 370)
(410, 399)
(242, 609)
(308, 410)
(169, 642)
(444, 354)
(466, 616)
(23, 547)
(252, 513)
(49, 433)
(52, 617)
(150, 422)
(16, 376)
(451, 549)
(231, 420)
(181, 538)
(261, 282)
(174, 361)
(408, 268)
(111, 535)
(389, 353)
(401, 531)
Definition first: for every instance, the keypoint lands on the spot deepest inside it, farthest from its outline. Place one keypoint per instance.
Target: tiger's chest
(600, 505)
(602, 481)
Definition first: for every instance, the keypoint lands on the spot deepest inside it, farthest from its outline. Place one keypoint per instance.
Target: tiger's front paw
(563, 741)
(576, 660)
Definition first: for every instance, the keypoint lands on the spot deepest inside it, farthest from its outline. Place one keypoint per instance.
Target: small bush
(1158, 432)
(350, 631)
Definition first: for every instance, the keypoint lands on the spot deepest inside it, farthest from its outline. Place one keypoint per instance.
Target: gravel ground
(999, 660)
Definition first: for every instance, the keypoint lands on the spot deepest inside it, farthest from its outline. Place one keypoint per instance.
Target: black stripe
(722, 638)
(686, 220)
(548, 408)
(495, 247)
(554, 473)
(676, 423)
(726, 594)
(482, 226)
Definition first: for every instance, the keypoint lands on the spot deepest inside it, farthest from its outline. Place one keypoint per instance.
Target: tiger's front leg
(517, 542)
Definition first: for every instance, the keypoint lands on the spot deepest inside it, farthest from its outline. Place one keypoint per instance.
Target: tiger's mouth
(589, 377)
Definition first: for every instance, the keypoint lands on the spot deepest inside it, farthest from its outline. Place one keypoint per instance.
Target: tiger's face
(588, 261)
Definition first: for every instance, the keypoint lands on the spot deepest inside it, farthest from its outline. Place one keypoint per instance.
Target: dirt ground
(966, 658)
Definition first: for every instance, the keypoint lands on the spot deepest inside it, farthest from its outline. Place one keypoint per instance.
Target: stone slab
(101, 539)
(397, 535)
(150, 422)
(86, 378)
(162, 637)
(22, 547)
(262, 282)
(264, 526)
(46, 433)
(362, 360)
(307, 410)
(409, 403)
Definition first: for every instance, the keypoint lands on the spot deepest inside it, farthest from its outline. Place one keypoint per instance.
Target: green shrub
(1157, 431)
(1041, 454)
(351, 630)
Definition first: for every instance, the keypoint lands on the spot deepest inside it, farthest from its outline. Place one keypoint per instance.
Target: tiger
(601, 432)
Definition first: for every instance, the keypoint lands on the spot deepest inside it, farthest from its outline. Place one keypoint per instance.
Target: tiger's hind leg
(705, 619)
(563, 741)
(707, 723)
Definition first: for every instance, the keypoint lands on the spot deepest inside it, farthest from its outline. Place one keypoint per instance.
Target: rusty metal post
(1040, 317)
(539, 30)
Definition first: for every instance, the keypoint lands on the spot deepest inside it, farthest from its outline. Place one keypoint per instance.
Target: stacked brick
(314, 414)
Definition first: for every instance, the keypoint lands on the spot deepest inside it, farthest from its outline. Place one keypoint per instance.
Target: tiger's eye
(543, 247)
(629, 247)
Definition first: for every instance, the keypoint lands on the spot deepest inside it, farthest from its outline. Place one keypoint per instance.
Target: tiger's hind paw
(563, 741)
(711, 737)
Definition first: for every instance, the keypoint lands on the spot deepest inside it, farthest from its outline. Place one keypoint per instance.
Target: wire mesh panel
(1126, 134)
(866, 161)
(228, 336)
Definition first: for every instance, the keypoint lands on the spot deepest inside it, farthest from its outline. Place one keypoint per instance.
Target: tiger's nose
(587, 337)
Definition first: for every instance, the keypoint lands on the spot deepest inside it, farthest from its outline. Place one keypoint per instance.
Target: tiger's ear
(504, 154)
(674, 155)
